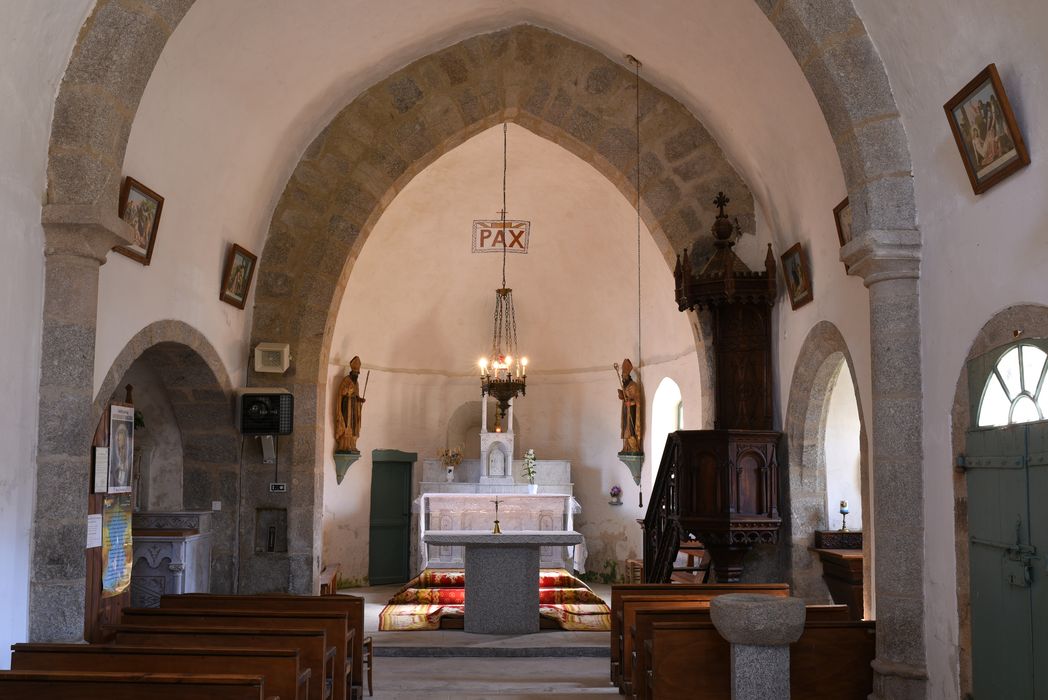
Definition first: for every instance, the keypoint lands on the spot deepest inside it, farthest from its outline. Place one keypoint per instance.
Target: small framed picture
(842, 216)
(140, 207)
(236, 279)
(121, 447)
(986, 132)
(798, 276)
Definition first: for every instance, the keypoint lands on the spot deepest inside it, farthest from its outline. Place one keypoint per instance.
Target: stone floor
(451, 664)
(478, 679)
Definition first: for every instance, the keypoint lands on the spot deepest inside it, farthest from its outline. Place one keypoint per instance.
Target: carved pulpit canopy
(724, 278)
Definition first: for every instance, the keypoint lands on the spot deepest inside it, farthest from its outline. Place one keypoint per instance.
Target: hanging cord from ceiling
(636, 73)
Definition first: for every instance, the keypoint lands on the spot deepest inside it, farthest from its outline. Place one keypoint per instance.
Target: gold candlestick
(497, 530)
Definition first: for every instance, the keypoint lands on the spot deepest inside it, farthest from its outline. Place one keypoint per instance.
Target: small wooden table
(842, 571)
(502, 576)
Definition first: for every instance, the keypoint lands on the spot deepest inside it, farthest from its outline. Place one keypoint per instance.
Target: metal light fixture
(503, 373)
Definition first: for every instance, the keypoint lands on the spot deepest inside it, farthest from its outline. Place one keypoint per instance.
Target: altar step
(494, 652)
(456, 643)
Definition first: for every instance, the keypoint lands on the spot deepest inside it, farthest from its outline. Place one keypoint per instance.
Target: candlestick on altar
(497, 530)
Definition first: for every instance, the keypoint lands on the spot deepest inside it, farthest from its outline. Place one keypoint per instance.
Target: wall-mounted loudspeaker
(265, 411)
(272, 357)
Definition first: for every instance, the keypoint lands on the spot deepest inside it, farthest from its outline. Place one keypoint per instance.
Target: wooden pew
(701, 591)
(311, 644)
(329, 579)
(278, 667)
(352, 605)
(831, 661)
(334, 625)
(73, 685)
(645, 617)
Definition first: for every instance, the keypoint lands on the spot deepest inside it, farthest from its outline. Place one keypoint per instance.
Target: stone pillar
(889, 263)
(76, 242)
(760, 629)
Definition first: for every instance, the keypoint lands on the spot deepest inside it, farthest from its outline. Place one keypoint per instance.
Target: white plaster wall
(242, 87)
(981, 253)
(35, 42)
(418, 306)
(843, 481)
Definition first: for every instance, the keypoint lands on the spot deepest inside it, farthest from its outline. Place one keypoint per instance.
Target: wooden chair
(368, 657)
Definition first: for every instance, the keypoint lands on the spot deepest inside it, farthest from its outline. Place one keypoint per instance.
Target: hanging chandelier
(504, 373)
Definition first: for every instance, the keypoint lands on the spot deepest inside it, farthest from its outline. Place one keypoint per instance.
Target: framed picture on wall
(798, 276)
(842, 216)
(986, 132)
(140, 207)
(121, 447)
(236, 278)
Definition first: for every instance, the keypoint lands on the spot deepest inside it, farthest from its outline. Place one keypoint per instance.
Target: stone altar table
(502, 576)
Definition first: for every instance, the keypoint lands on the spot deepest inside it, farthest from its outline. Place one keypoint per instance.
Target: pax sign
(494, 236)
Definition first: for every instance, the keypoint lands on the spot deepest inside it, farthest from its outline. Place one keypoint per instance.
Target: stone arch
(201, 396)
(823, 356)
(1032, 321)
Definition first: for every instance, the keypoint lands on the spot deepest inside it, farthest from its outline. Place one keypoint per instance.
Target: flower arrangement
(528, 472)
(451, 456)
(616, 491)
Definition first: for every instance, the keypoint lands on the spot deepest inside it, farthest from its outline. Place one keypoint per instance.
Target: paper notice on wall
(94, 530)
(101, 470)
(116, 544)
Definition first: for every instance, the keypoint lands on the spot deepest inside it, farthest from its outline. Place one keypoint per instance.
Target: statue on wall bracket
(631, 420)
(349, 408)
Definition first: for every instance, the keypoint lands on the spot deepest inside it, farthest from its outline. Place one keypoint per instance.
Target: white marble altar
(475, 512)
(502, 575)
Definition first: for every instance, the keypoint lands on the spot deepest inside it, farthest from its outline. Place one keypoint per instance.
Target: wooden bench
(73, 685)
(278, 667)
(700, 591)
(311, 644)
(352, 605)
(831, 661)
(645, 617)
(334, 625)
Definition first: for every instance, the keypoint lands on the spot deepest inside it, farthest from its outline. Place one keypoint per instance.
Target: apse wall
(35, 42)
(418, 311)
(981, 253)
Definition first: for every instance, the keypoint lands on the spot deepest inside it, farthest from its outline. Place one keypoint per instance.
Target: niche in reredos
(157, 474)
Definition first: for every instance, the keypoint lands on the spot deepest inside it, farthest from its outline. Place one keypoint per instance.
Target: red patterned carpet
(440, 593)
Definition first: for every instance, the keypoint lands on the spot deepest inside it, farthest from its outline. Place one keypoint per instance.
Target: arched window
(1013, 391)
(667, 411)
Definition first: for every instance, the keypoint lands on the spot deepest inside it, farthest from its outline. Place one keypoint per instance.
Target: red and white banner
(493, 236)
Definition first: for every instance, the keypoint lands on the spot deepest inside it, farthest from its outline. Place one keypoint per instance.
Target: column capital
(879, 255)
(83, 230)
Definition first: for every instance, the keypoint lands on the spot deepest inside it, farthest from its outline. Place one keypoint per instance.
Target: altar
(502, 576)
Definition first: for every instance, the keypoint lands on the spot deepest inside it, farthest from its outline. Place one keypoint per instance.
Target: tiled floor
(462, 678)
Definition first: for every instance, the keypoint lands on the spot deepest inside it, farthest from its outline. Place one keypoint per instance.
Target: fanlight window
(1014, 390)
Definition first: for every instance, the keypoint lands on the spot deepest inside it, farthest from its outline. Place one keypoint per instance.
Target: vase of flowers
(528, 472)
(450, 458)
(616, 496)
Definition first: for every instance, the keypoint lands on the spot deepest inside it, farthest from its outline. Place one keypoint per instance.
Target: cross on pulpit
(497, 530)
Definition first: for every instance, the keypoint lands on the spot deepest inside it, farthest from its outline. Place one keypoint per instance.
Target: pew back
(278, 667)
(311, 644)
(73, 685)
(352, 605)
(830, 661)
(334, 625)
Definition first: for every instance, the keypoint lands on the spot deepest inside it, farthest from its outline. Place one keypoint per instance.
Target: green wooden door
(1007, 475)
(390, 539)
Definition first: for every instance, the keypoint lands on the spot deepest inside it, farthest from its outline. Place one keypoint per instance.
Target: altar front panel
(476, 512)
